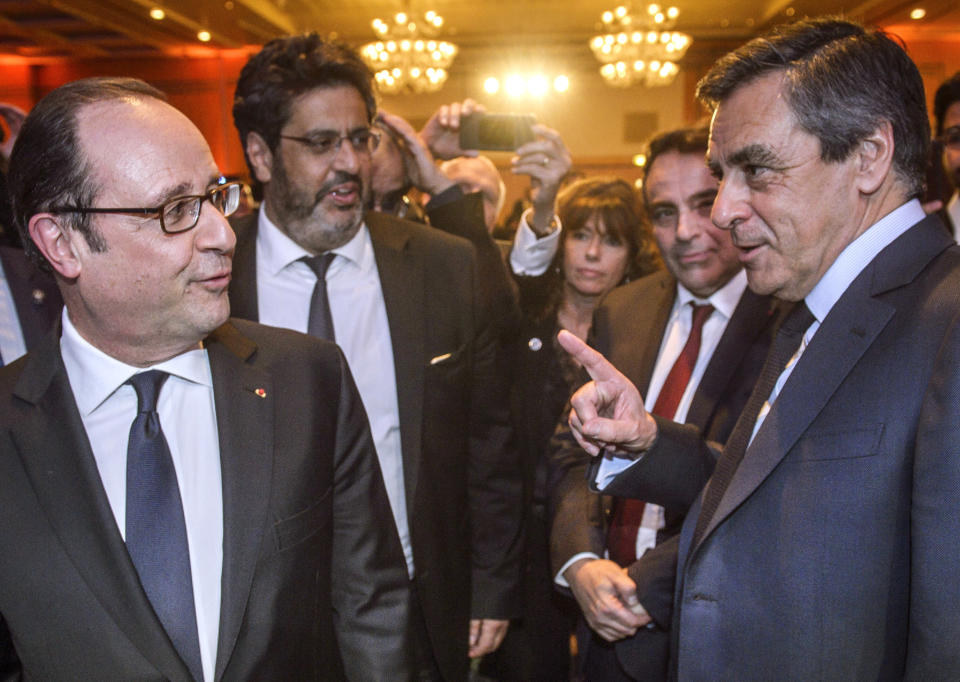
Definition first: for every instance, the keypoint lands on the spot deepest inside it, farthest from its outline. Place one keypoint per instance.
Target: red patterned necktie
(628, 513)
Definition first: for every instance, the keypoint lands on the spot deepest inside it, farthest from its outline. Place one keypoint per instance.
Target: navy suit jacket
(313, 581)
(835, 550)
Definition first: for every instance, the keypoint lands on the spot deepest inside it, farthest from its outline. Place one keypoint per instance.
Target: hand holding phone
(496, 132)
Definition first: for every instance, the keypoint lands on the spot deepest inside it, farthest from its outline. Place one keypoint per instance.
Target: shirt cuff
(531, 255)
(610, 468)
(559, 579)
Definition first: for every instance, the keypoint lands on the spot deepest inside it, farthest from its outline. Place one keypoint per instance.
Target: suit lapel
(646, 324)
(243, 286)
(58, 460)
(245, 423)
(402, 282)
(749, 318)
(850, 328)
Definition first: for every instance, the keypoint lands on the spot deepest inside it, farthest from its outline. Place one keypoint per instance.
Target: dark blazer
(461, 479)
(313, 580)
(833, 553)
(35, 295)
(628, 329)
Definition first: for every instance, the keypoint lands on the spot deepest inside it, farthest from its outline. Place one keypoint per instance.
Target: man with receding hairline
(186, 497)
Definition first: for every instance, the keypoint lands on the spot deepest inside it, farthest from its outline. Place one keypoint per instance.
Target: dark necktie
(156, 533)
(785, 344)
(320, 323)
(627, 512)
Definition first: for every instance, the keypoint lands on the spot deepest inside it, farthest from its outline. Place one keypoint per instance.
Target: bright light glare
(561, 83)
(491, 86)
(515, 85)
(537, 86)
(203, 36)
(157, 13)
(918, 13)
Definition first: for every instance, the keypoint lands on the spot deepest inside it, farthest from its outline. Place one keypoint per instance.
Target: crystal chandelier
(639, 49)
(407, 57)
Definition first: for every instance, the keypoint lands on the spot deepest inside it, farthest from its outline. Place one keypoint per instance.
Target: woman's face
(593, 261)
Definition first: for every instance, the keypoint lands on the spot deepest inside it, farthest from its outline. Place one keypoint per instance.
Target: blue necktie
(156, 533)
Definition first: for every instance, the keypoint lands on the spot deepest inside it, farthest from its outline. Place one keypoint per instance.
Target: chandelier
(639, 49)
(407, 57)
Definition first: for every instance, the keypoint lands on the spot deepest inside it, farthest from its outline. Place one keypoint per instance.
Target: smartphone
(496, 132)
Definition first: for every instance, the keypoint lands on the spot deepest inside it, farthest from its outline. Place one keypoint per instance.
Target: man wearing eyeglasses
(946, 111)
(402, 301)
(181, 493)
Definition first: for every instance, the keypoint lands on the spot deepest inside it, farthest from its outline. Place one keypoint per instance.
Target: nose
(213, 232)
(731, 205)
(593, 248)
(687, 226)
(345, 157)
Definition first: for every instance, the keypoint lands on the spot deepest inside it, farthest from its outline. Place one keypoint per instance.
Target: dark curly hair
(948, 93)
(285, 69)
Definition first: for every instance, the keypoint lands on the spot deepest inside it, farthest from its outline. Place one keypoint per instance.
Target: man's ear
(874, 158)
(54, 239)
(260, 156)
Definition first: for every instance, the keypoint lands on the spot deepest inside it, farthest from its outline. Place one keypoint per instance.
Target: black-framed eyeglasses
(179, 214)
(951, 137)
(363, 141)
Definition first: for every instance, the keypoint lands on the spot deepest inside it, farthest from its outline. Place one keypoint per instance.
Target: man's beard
(305, 219)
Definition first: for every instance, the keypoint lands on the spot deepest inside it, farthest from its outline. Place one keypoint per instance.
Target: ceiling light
(491, 86)
(640, 47)
(515, 85)
(157, 14)
(407, 57)
(561, 83)
(918, 13)
(204, 36)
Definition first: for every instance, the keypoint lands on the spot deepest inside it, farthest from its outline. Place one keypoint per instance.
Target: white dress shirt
(108, 406)
(12, 344)
(953, 210)
(284, 287)
(724, 302)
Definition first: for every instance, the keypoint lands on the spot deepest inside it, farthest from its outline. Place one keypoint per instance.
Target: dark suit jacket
(310, 570)
(628, 329)
(461, 479)
(35, 295)
(833, 553)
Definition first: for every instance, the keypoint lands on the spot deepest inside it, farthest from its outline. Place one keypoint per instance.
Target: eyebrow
(332, 132)
(183, 188)
(704, 194)
(753, 155)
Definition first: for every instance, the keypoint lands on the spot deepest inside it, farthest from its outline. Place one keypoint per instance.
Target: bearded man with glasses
(401, 300)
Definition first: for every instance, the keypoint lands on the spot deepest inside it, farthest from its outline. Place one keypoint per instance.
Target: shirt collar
(953, 210)
(276, 251)
(858, 254)
(724, 300)
(95, 376)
